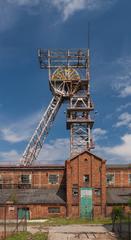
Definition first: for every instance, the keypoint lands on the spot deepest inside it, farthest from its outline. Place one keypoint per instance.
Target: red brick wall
(108, 211)
(121, 177)
(97, 211)
(75, 211)
(86, 164)
(75, 169)
(8, 211)
(36, 211)
(41, 211)
(39, 177)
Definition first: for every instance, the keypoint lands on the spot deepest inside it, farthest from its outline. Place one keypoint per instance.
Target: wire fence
(9, 227)
(123, 227)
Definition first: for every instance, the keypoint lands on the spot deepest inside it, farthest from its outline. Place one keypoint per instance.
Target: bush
(129, 203)
(117, 212)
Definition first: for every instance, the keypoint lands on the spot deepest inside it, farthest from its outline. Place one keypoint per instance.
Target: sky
(25, 26)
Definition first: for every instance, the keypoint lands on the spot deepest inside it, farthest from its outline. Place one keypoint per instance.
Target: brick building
(86, 186)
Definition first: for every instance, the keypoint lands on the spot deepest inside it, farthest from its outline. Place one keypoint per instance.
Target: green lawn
(66, 221)
(28, 236)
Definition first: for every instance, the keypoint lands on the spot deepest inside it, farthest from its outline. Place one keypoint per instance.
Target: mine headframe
(69, 79)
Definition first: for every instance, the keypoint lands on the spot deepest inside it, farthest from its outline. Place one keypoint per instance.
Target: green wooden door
(86, 203)
(23, 212)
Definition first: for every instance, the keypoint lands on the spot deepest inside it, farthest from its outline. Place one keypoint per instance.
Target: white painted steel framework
(34, 146)
(69, 79)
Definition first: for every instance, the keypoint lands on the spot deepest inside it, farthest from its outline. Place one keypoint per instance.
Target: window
(97, 191)
(86, 179)
(1, 181)
(129, 178)
(25, 179)
(53, 178)
(110, 178)
(75, 190)
(53, 210)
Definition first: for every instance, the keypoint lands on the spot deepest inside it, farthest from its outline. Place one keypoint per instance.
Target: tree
(117, 213)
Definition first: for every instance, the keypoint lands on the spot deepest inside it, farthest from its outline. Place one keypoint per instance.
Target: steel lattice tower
(69, 79)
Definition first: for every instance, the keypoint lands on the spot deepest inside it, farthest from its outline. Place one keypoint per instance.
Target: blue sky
(26, 25)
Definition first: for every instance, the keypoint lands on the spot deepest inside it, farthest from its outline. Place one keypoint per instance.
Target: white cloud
(12, 136)
(124, 120)
(126, 91)
(55, 151)
(69, 7)
(99, 133)
(20, 130)
(118, 153)
(9, 157)
(9, 9)
(122, 81)
(7, 15)
(123, 106)
(124, 149)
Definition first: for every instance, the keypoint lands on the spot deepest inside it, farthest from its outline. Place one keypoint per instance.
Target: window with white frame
(26, 178)
(53, 178)
(129, 178)
(86, 179)
(110, 178)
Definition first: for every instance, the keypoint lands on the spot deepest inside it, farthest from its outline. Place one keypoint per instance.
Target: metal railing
(122, 227)
(9, 227)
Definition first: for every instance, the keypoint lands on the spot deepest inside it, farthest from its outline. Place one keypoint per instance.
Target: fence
(10, 226)
(123, 227)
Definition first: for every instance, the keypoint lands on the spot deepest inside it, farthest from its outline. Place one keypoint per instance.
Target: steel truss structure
(69, 79)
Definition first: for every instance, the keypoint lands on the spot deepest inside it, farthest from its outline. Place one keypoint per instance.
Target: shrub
(129, 203)
(117, 212)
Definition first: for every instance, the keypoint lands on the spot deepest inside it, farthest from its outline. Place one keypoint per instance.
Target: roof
(118, 195)
(126, 166)
(88, 152)
(35, 167)
(32, 196)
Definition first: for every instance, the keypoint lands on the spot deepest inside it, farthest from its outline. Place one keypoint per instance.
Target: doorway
(23, 213)
(86, 203)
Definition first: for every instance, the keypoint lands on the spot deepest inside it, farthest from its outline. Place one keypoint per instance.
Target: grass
(28, 236)
(55, 221)
(67, 221)
(40, 236)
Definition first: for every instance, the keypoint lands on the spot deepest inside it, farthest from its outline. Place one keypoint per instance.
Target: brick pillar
(103, 188)
(68, 189)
